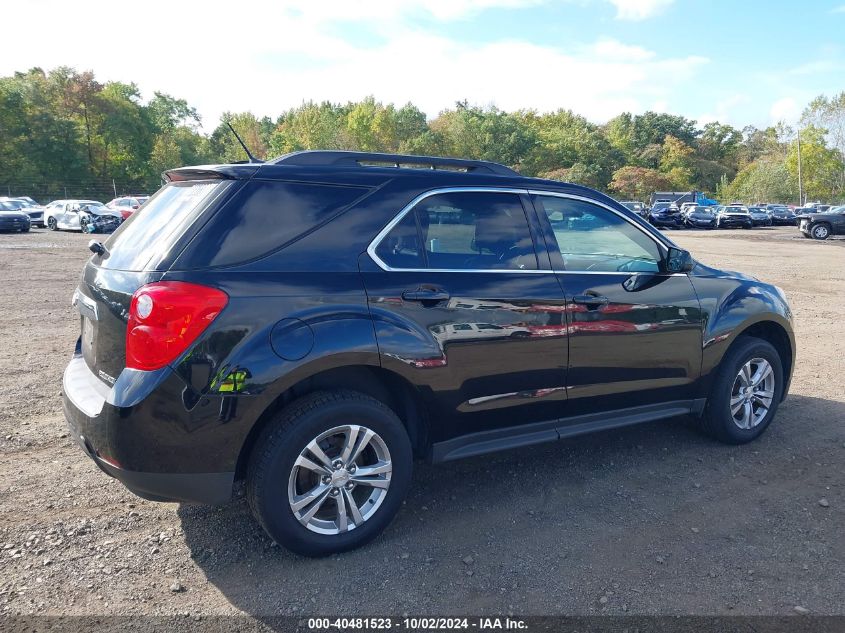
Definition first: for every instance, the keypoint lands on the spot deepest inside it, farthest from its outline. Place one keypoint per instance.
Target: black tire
(717, 420)
(279, 446)
(52, 224)
(820, 231)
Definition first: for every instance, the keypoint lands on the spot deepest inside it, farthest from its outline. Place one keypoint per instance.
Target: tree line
(63, 128)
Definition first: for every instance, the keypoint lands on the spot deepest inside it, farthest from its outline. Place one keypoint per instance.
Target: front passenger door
(635, 330)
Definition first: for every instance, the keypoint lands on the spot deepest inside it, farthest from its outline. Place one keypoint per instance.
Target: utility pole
(800, 181)
(114, 186)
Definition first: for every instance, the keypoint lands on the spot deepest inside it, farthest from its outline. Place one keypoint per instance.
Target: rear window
(263, 217)
(144, 239)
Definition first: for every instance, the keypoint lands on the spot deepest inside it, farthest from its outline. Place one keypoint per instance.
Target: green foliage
(638, 183)
(821, 166)
(761, 181)
(676, 163)
(66, 133)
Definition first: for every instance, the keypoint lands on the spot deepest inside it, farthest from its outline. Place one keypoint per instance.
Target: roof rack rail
(325, 158)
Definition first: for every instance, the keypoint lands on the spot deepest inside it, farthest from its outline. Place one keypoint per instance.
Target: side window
(476, 231)
(593, 239)
(462, 231)
(401, 247)
(265, 216)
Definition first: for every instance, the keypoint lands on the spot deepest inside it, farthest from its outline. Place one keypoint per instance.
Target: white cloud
(293, 54)
(613, 49)
(785, 109)
(639, 9)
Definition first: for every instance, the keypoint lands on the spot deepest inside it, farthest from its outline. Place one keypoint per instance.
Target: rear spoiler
(211, 172)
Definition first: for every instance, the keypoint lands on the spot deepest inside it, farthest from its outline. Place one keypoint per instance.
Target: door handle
(593, 301)
(426, 294)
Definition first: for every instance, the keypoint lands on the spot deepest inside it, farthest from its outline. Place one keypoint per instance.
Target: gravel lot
(653, 519)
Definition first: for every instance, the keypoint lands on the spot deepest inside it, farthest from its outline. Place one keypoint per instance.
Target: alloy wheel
(752, 393)
(820, 232)
(340, 479)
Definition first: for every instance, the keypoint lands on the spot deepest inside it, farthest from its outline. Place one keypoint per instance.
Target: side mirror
(679, 261)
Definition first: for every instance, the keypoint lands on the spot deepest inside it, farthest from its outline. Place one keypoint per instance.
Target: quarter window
(591, 238)
(463, 231)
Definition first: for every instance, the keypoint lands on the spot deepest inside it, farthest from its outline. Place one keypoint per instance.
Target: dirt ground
(654, 519)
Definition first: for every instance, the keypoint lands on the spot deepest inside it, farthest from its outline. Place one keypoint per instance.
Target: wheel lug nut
(326, 479)
(350, 485)
(352, 468)
(337, 464)
(334, 492)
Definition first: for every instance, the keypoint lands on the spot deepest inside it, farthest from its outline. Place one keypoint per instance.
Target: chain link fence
(88, 189)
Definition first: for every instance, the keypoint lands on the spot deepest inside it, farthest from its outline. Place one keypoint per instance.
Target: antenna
(252, 159)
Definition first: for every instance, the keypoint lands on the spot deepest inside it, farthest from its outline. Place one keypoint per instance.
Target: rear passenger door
(467, 308)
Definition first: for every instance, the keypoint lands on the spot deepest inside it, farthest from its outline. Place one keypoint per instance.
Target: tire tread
(277, 431)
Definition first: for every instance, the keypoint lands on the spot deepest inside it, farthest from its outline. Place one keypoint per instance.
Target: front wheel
(329, 473)
(820, 231)
(52, 224)
(746, 392)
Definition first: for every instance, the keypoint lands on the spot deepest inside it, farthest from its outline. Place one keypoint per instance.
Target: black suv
(312, 324)
(821, 226)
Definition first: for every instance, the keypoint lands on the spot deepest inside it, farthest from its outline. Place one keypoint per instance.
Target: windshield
(736, 210)
(94, 207)
(705, 210)
(8, 206)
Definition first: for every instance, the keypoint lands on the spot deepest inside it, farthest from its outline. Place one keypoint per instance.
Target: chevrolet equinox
(313, 324)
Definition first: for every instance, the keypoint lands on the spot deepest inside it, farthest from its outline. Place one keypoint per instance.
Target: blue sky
(739, 62)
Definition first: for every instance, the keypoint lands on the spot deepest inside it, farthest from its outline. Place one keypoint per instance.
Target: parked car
(665, 215)
(88, 216)
(637, 207)
(34, 210)
(759, 217)
(315, 361)
(809, 209)
(821, 226)
(733, 216)
(781, 215)
(127, 205)
(700, 217)
(13, 218)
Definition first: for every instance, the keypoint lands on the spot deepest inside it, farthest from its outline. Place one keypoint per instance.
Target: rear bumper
(137, 444)
(208, 488)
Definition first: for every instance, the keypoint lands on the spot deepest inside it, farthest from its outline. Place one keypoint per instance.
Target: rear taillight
(165, 318)
(125, 214)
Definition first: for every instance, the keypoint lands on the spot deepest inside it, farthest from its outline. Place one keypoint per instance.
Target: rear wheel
(746, 392)
(329, 473)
